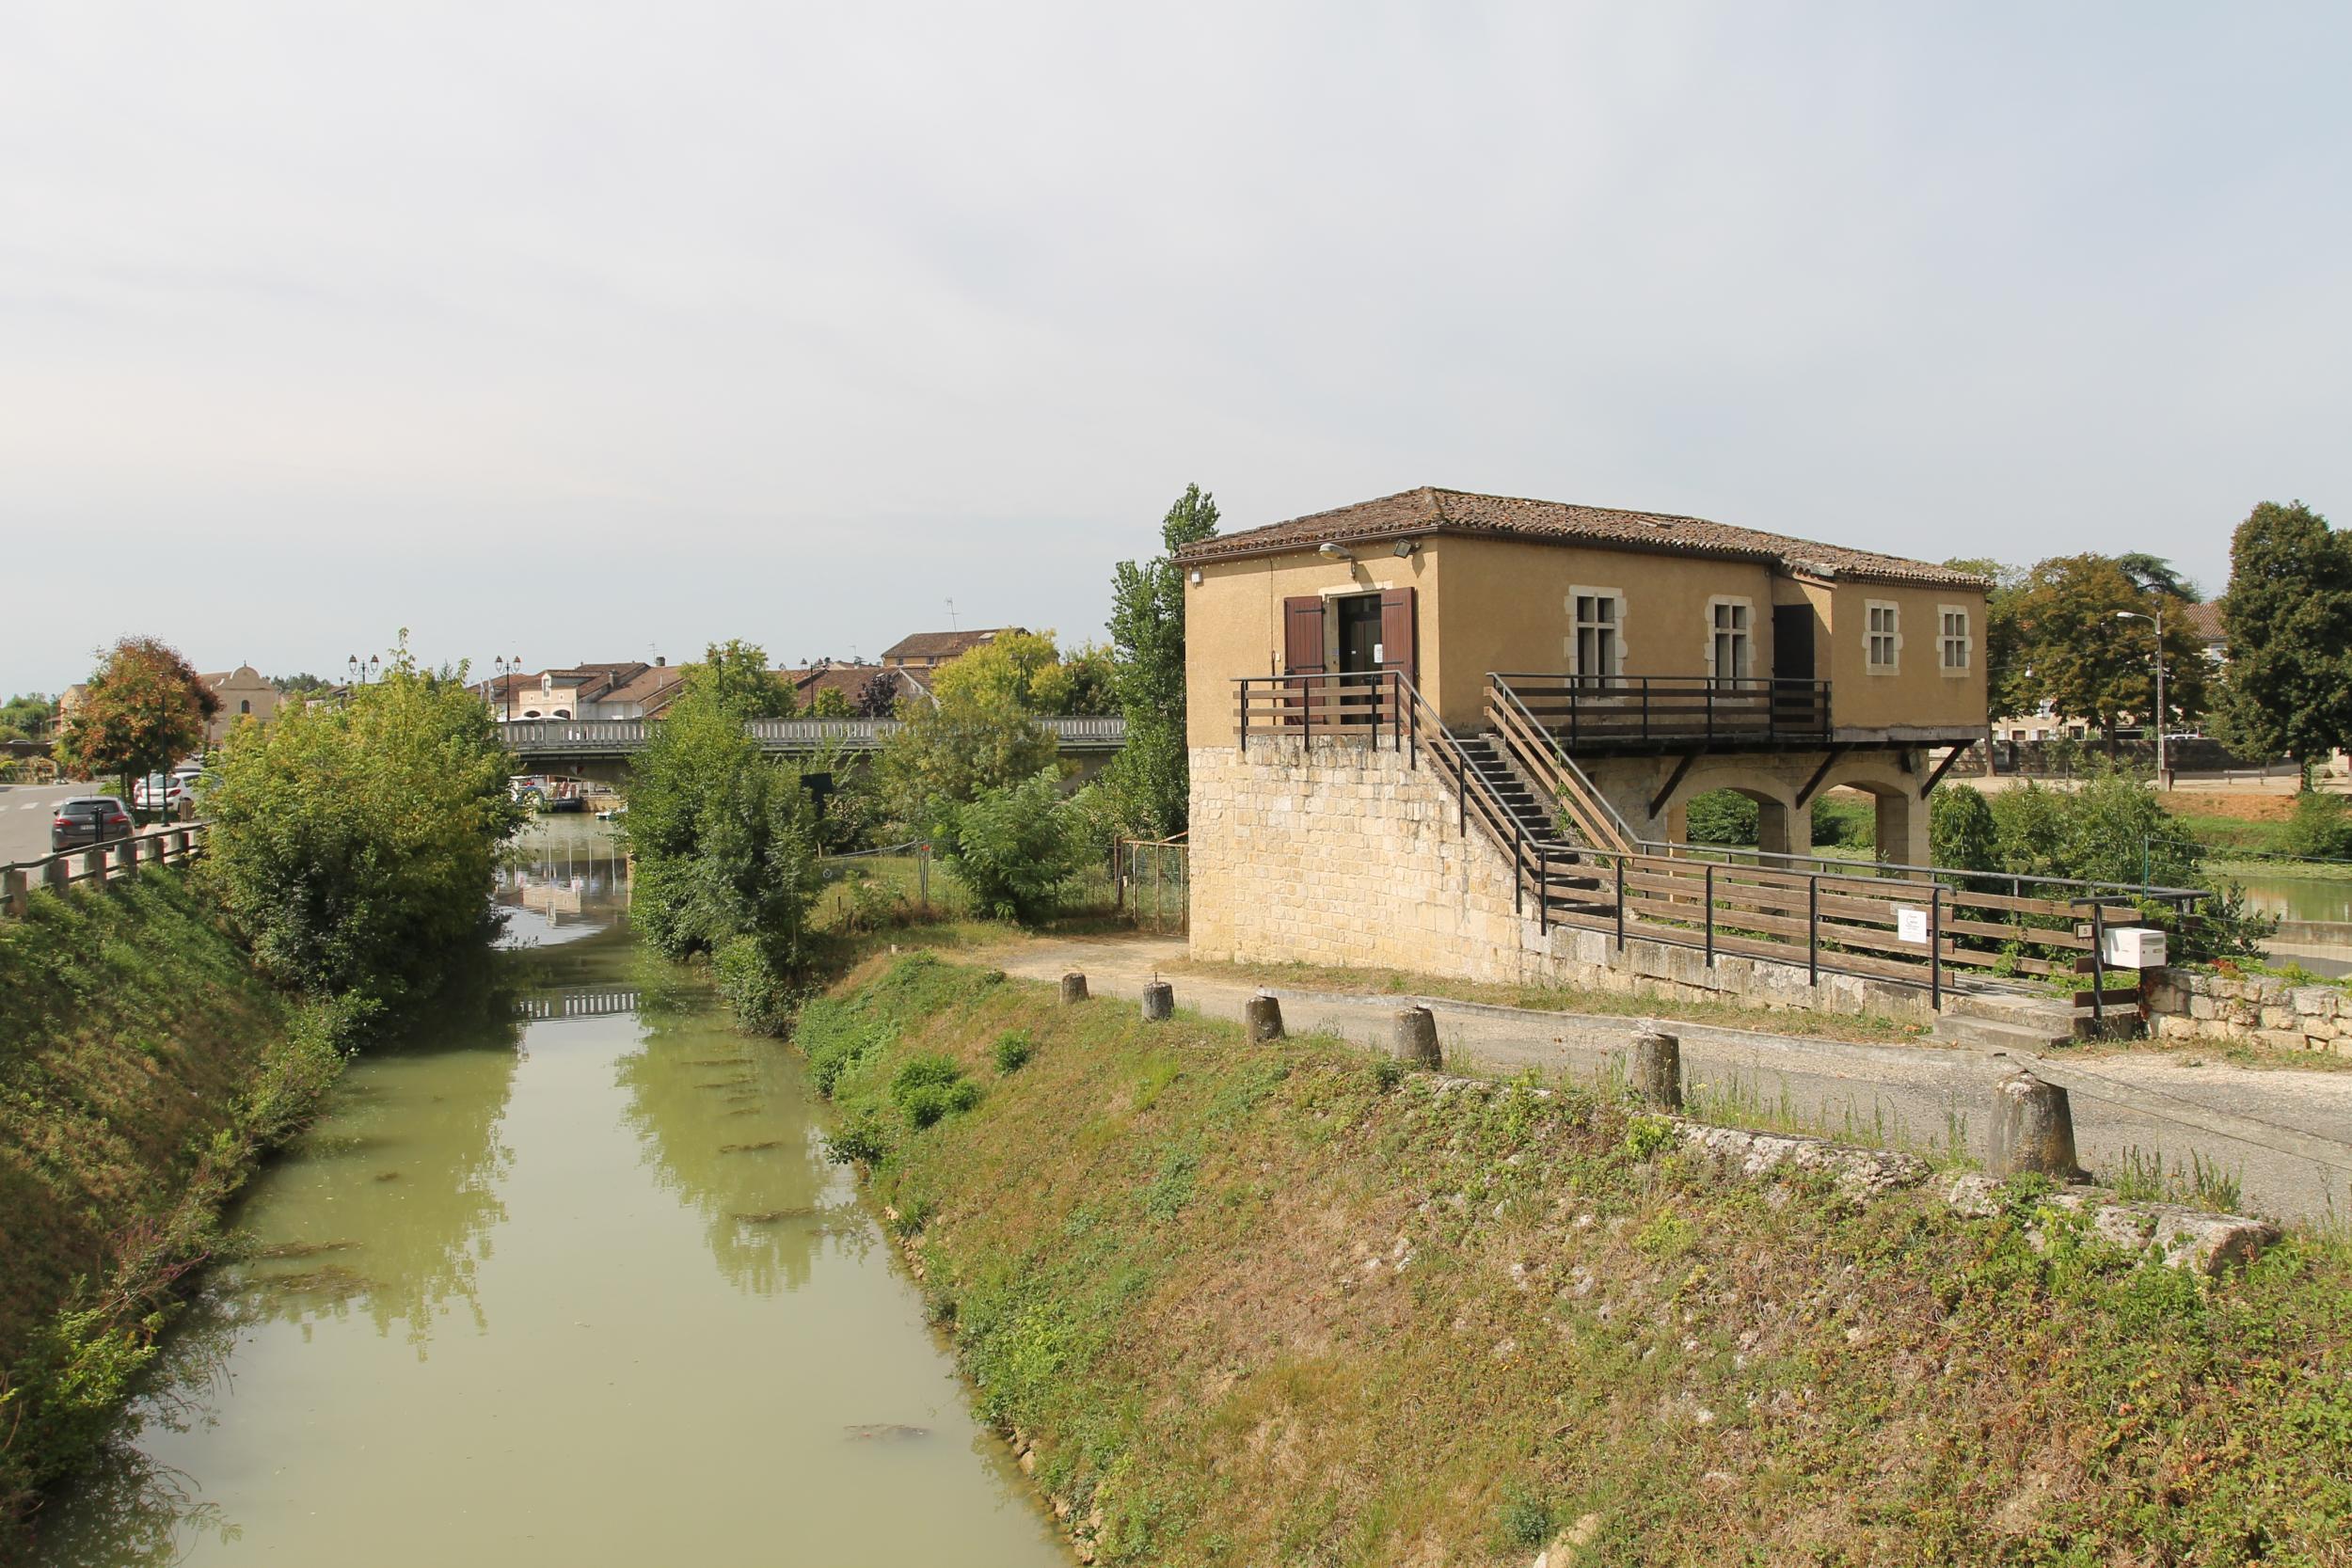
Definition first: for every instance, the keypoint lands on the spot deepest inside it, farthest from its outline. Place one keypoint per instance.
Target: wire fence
(1151, 883)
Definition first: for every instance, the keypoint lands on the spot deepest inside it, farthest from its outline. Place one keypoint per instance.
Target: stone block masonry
(2254, 1009)
(1348, 855)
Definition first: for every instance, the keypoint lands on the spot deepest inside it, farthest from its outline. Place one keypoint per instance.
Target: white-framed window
(1884, 636)
(1596, 631)
(1730, 638)
(1954, 646)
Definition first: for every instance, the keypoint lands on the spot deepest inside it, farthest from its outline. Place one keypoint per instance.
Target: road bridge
(575, 741)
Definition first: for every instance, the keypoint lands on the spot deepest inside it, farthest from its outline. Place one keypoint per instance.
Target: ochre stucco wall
(1495, 604)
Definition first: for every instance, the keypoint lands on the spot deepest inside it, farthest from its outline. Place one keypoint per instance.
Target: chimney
(660, 659)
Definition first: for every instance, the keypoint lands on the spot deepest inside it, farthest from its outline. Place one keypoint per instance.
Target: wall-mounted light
(1196, 577)
(1406, 546)
(1333, 550)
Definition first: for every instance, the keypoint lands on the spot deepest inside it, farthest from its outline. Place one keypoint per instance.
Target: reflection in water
(566, 878)
(577, 1291)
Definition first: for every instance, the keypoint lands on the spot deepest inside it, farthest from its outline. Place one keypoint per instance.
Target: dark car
(89, 819)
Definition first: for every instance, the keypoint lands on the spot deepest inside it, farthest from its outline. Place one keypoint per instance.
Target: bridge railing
(561, 736)
(98, 864)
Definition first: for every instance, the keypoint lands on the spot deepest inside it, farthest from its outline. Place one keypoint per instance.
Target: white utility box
(2133, 947)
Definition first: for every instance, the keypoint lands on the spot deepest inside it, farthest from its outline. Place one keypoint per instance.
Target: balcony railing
(1622, 710)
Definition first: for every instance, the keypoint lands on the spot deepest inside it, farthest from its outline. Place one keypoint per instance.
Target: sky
(585, 331)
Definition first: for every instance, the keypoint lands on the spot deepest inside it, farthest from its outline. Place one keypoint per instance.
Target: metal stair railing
(1539, 755)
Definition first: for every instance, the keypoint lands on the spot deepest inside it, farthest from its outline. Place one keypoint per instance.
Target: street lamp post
(2163, 778)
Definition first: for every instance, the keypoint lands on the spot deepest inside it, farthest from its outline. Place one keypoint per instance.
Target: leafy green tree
(726, 840)
(2288, 618)
(2321, 827)
(142, 710)
(1152, 772)
(304, 684)
(735, 673)
(2158, 577)
(954, 750)
(1961, 830)
(27, 717)
(830, 703)
(356, 845)
(1012, 847)
(2084, 660)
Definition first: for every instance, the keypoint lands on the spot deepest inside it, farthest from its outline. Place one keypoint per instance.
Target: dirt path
(2284, 1134)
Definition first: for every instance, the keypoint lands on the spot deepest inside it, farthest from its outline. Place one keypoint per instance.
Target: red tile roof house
(928, 650)
(1393, 708)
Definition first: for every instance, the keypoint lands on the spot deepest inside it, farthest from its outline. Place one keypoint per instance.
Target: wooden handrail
(111, 861)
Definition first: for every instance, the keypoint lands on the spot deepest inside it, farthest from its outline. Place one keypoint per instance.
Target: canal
(570, 1283)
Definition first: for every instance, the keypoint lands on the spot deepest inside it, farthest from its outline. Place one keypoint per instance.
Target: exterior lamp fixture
(1406, 546)
(1196, 577)
(1333, 550)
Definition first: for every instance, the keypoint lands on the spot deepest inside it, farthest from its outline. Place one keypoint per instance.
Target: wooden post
(1159, 1001)
(16, 889)
(58, 873)
(1414, 1033)
(2033, 1129)
(1710, 914)
(1657, 1065)
(1263, 1015)
(1073, 988)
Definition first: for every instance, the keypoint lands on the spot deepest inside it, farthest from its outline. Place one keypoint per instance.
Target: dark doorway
(1360, 633)
(1792, 642)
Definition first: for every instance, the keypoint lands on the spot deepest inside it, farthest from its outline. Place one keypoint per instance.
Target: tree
(1029, 669)
(736, 674)
(1012, 847)
(2156, 576)
(304, 684)
(27, 717)
(953, 750)
(2083, 660)
(879, 696)
(831, 704)
(2288, 618)
(1152, 773)
(355, 844)
(1960, 829)
(142, 709)
(726, 844)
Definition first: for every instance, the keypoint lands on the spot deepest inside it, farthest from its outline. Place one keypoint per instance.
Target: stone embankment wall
(1351, 856)
(2255, 1010)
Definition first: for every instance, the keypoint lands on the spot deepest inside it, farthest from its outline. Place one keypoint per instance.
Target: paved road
(24, 812)
(2283, 1132)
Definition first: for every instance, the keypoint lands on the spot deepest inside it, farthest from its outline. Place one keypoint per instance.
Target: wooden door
(1400, 647)
(1303, 656)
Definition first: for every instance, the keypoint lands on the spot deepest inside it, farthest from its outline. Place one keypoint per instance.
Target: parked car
(172, 794)
(87, 819)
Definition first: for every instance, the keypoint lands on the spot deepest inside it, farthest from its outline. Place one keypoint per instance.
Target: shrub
(1844, 824)
(926, 1088)
(1960, 829)
(2321, 827)
(1525, 1520)
(1012, 847)
(1012, 1051)
(863, 1141)
(757, 988)
(355, 846)
(837, 1039)
(1722, 817)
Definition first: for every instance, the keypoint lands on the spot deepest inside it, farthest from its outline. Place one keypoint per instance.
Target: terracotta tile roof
(2205, 620)
(851, 680)
(653, 686)
(942, 645)
(1458, 512)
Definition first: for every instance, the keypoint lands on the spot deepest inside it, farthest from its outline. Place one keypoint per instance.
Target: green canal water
(573, 1285)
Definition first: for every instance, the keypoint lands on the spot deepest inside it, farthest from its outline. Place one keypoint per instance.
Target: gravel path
(2284, 1133)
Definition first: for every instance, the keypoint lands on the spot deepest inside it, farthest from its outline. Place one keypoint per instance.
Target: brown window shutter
(1302, 636)
(1399, 629)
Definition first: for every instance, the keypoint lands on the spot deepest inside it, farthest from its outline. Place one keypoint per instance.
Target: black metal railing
(1602, 711)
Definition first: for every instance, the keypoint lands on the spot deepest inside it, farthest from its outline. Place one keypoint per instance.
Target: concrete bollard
(1263, 1014)
(1073, 988)
(1415, 1038)
(2033, 1129)
(15, 890)
(1159, 1001)
(1657, 1065)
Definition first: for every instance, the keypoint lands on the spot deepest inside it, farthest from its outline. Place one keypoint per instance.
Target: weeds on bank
(1285, 1303)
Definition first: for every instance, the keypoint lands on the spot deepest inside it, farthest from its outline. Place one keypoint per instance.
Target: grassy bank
(144, 1067)
(1283, 1304)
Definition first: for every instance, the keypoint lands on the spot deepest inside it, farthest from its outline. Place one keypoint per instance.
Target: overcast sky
(583, 331)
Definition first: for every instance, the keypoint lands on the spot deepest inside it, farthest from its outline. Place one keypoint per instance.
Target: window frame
(1744, 634)
(1871, 663)
(1578, 625)
(1945, 639)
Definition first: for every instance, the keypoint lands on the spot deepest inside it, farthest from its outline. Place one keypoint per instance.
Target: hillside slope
(1281, 1304)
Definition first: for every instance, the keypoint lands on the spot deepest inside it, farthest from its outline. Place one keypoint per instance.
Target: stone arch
(1781, 828)
(1902, 815)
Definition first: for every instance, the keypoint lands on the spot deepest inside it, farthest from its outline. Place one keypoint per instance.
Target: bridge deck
(582, 739)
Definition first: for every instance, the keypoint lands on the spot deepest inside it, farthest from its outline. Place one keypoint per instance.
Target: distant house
(872, 690)
(928, 650)
(2205, 620)
(628, 689)
(244, 692)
